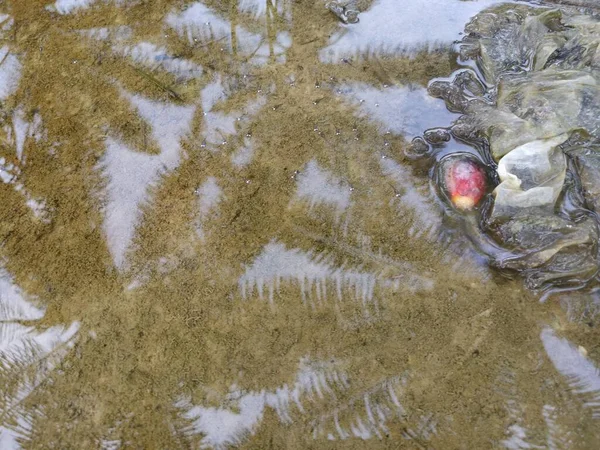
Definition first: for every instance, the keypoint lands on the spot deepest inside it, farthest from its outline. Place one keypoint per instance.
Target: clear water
(210, 237)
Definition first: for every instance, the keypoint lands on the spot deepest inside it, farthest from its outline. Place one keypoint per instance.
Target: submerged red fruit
(465, 181)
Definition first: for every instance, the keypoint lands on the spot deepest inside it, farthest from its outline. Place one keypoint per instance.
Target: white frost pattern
(21, 128)
(427, 217)
(366, 415)
(277, 264)
(65, 7)
(68, 6)
(153, 57)
(517, 438)
(19, 341)
(199, 23)
(363, 416)
(259, 8)
(10, 73)
(318, 186)
(209, 195)
(12, 304)
(219, 126)
(223, 427)
(389, 27)
(119, 33)
(144, 53)
(406, 110)
(557, 437)
(107, 444)
(582, 374)
(9, 174)
(516, 432)
(131, 173)
(243, 156)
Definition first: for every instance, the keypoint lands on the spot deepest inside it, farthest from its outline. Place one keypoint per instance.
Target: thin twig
(162, 86)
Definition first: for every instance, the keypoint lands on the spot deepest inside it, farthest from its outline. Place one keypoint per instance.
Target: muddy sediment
(211, 236)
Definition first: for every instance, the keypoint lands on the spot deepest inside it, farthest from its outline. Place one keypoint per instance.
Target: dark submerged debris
(417, 149)
(345, 12)
(437, 136)
(533, 108)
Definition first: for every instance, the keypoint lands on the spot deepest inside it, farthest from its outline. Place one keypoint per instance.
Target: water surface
(210, 237)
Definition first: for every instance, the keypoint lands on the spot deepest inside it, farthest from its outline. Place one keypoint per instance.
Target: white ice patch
(219, 126)
(318, 186)
(222, 427)
(147, 54)
(68, 6)
(153, 57)
(111, 444)
(38, 208)
(131, 173)
(65, 7)
(22, 130)
(407, 110)
(198, 23)
(274, 51)
(365, 416)
(8, 171)
(427, 217)
(117, 33)
(209, 196)
(258, 8)
(582, 374)
(558, 436)
(243, 156)
(390, 27)
(10, 73)
(20, 344)
(517, 438)
(9, 439)
(9, 174)
(13, 305)
(21, 127)
(277, 264)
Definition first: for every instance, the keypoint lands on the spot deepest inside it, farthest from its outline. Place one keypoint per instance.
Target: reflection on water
(10, 70)
(210, 237)
(387, 28)
(131, 173)
(405, 110)
(28, 356)
(314, 381)
(572, 362)
(314, 273)
(317, 186)
(69, 6)
(209, 196)
(198, 23)
(155, 57)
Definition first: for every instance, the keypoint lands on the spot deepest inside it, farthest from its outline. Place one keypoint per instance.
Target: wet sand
(210, 237)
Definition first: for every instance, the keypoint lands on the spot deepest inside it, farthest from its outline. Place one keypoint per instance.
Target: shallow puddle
(211, 237)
